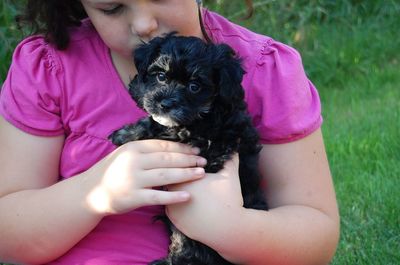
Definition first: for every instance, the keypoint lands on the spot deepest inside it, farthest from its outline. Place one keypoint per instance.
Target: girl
(68, 196)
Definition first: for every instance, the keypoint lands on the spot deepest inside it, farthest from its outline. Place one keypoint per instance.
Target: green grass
(350, 50)
(9, 35)
(362, 138)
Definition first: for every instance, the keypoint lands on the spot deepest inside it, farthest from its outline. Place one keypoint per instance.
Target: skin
(302, 226)
(139, 20)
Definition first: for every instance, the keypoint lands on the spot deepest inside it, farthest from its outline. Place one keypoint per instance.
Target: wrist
(93, 197)
(225, 230)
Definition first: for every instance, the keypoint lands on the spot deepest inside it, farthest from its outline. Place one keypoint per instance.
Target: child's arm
(41, 218)
(302, 226)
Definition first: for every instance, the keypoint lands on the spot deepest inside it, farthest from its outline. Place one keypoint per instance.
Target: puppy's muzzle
(167, 104)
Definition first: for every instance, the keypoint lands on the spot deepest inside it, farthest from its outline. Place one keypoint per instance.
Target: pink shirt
(78, 93)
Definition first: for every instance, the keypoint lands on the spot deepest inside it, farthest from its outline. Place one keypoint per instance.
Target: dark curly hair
(52, 18)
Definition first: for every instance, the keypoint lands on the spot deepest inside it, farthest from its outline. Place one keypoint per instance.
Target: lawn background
(350, 50)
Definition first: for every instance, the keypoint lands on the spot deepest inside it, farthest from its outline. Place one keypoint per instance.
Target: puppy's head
(182, 79)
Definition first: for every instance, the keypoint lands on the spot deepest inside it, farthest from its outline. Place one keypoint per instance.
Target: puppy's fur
(192, 92)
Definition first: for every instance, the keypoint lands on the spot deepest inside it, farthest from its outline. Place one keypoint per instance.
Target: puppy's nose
(167, 104)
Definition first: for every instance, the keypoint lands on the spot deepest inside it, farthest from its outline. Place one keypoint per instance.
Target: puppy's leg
(160, 262)
(185, 251)
(141, 130)
(250, 181)
(217, 154)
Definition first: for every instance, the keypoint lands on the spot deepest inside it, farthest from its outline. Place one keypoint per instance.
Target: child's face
(122, 24)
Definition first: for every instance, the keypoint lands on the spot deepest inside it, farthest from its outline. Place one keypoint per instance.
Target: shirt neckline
(116, 81)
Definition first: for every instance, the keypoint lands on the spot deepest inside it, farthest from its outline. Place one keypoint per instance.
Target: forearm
(284, 235)
(37, 226)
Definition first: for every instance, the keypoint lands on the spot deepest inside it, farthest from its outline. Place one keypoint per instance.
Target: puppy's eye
(161, 77)
(194, 88)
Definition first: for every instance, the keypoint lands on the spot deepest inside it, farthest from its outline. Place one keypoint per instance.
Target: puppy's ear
(228, 74)
(146, 53)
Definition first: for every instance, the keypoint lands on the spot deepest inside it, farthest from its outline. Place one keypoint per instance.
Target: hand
(215, 201)
(123, 180)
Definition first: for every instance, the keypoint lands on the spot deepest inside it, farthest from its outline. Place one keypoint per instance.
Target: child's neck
(125, 68)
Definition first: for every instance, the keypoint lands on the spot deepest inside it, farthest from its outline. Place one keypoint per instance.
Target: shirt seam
(81, 133)
(20, 125)
(60, 77)
(316, 125)
(267, 41)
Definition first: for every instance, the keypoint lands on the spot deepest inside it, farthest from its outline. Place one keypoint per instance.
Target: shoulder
(35, 89)
(35, 52)
(32, 88)
(40, 64)
(35, 65)
(245, 42)
(262, 56)
(252, 47)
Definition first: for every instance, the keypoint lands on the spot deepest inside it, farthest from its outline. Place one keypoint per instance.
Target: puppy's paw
(133, 132)
(160, 262)
(129, 133)
(213, 168)
(216, 163)
(120, 137)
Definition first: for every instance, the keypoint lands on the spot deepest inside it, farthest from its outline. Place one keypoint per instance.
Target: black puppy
(192, 92)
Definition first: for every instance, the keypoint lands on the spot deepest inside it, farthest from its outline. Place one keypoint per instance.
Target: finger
(171, 160)
(154, 145)
(157, 197)
(166, 176)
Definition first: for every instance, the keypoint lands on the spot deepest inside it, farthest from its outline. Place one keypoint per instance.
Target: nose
(144, 23)
(167, 104)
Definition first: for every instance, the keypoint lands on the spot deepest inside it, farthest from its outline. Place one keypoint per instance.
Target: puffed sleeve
(284, 104)
(30, 96)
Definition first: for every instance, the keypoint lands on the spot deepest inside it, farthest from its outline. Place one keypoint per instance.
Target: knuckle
(130, 145)
(155, 198)
(164, 145)
(186, 148)
(193, 160)
(165, 178)
(166, 157)
(191, 172)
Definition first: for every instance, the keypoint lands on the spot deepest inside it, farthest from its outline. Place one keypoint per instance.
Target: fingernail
(199, 172)
(201, 161)
(184, 196)
(196, 150)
